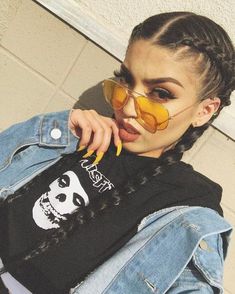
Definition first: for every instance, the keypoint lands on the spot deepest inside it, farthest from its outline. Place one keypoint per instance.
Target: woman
(146, 221)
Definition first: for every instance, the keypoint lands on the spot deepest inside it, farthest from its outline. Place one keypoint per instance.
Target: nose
(129, 109)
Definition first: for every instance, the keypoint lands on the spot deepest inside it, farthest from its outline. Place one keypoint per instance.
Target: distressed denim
(172, 246)
(175, 250)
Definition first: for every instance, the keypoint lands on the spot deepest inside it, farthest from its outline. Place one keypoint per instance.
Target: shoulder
(49, 130)
(183, 175)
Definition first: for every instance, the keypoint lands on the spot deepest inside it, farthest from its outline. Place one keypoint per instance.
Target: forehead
(146, 60)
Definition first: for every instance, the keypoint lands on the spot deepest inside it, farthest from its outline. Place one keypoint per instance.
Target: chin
(141, 150)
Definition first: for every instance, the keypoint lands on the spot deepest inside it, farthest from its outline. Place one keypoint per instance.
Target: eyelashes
(121, 74)
(155, 93)
(117, 73)
(161, 94)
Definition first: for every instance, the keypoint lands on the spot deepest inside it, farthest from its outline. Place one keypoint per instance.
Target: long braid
(222, 61)
(84, 215)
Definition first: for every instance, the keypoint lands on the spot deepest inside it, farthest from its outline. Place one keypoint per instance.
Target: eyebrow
(150, 82)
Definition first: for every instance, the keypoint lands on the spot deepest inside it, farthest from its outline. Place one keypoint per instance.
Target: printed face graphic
(64, 197)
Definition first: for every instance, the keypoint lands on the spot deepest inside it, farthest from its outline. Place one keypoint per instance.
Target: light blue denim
(156, 259)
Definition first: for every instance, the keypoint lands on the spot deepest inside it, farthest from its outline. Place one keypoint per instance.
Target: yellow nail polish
(98, 157)
(81, 148)
(89, 153)
(119, 148)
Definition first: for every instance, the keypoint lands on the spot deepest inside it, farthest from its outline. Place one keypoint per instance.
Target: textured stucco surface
(45, 66)
(108, 23)
(122, 15)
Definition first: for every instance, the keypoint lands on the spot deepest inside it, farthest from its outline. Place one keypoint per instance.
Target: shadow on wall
(93, 98)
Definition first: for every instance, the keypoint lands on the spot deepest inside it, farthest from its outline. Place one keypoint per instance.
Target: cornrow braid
(167, 159)
(137, 31)
(215, 53)
(223, 62)
(173, 30)
(84, 215)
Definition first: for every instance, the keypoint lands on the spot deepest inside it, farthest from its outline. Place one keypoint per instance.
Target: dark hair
(198, 36)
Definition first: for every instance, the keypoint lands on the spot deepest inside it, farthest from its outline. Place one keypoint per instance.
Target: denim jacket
(176, 249)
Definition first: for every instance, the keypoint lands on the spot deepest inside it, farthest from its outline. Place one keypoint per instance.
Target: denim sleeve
(191, 281)
(17, 135)
(37, 130)
(32, 146)
(204, 273)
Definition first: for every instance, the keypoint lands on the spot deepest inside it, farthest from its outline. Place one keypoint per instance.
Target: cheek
(178, 123)
(175, 129)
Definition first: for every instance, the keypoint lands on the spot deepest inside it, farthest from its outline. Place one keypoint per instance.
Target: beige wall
(45, 65)
(121, 16)
(109, 23)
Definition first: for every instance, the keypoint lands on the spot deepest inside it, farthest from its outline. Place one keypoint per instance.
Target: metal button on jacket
(56, 133)
(203, 245)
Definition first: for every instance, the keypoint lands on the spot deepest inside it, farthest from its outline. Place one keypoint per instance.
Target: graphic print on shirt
(65, 195)
(99, 180)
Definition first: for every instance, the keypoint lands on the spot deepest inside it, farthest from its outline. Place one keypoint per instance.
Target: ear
(205, 111)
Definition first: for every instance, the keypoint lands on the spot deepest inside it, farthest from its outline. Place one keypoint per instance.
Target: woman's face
(143, 63)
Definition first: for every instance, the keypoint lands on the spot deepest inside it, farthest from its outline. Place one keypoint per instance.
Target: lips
(127, 132)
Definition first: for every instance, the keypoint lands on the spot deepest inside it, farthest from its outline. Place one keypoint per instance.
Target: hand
(95, 132)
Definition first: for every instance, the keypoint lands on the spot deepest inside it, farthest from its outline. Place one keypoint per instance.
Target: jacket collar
(44, 130)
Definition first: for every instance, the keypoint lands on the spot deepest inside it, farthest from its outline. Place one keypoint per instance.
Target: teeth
(49, 209)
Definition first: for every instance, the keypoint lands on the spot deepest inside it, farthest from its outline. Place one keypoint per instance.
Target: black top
(39, 208)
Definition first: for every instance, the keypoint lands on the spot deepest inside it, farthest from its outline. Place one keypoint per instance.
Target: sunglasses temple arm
(172, 116)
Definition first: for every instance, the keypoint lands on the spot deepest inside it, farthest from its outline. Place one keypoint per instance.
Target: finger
(117, 140)
(102, 133)
(79, 123)
(95, 131)
(102, 136)
(110, 129)
(109, 124)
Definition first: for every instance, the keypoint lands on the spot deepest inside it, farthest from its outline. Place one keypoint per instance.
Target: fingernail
(89, 153)
(98, 157)
(81, 148)
(119, 148)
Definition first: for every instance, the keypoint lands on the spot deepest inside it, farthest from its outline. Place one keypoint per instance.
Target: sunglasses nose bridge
(130, 108)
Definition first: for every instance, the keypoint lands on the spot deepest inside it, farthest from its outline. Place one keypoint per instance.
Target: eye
(63, 181)
(78, 200)
(160, 94)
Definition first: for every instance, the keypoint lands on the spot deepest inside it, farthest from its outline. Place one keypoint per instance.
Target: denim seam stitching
(35, 173)
(139, 250)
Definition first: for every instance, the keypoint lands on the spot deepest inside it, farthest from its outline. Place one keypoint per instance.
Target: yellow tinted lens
(115, 94)
(154, 114)
(163, 125)
(148, 121)
(119, 97)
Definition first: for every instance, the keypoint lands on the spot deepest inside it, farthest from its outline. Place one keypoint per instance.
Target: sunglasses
(151, 114)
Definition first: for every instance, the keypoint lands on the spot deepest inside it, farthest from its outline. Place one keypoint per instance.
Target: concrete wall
(45, 65)
(109, 23)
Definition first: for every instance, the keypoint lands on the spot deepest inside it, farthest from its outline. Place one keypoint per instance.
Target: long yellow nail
(89, 153)
(98, 157)
(119, 148)
(81, 148)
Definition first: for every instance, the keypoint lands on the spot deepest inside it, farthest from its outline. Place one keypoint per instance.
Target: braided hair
(197, 36)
